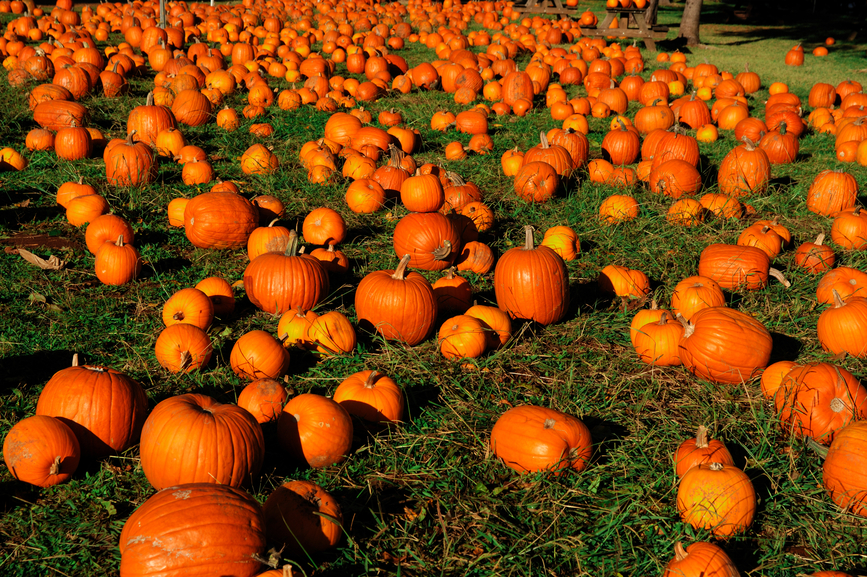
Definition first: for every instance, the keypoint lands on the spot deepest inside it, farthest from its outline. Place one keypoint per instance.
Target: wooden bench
(625, 18)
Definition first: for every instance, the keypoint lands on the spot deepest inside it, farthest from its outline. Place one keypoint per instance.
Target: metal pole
(163, 14)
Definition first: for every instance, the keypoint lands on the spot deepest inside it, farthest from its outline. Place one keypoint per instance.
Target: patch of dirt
(48, 241)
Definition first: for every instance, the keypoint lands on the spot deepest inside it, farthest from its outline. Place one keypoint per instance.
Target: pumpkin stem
(663, 319)
(779, 276)
(701, 437)
(186, 360)
(400, 271)
(178, 316)
(368, 384)
(150, 99)
(688, 328)
(748, 144)
(716, 466)
(528, 237)
(450, 273)
(679, 552)
(273, 222)
(549, 423)
(75, 359)
(455, 178)
(838, 301)
(292, 244)
(782, 128)
(119, 241)
(55, 466)
(820, 239)
(654, 305)
(820, 450)
(544, 140)
(837, 405)
(443, 252)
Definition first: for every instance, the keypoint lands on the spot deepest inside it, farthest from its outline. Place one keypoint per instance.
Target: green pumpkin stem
(820, 450)
(292, 244)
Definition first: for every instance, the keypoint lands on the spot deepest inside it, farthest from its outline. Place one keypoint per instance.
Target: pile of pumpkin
(441, 230)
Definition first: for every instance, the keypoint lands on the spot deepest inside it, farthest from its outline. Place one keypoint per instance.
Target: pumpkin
(717, 497)
(397, 304)
(103, 407)
(130, 163)
(621, 146)
(530, 439)
(845, 280)
(117, 263)
(562, 240)
(736, 267)
(844, 472)
(145, 122)
(843, 328)
(462, 337)
(334, 261)
(555, 155)
(818, 399)
(189, 305)
(675, 178)
(183, 347)
(700, 450)
(762, 237)
(224, 535)
(315, 430)
(294, 326)
(536, 182)
(220, 293)
(323, 226)
(452, 292)
(745, 170)
(497, 323)
(258, 355)
(700, 559)
(302, 517)
(724, 346)
(657, 343)
(41, 450)
(623, 281)
(332, 334)
(267, 239)
(618, 208)
(532, 283)
(365, 196)
(84, 209)
(429, 238)
(258, 159)
(815, 257)
(107, 228)
(223, 443)
(58, 114)
(849, 229)
(264, 399)
(219, 220)
(695, 293)
(371, 396)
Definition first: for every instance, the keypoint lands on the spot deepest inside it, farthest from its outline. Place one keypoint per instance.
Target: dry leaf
(53, 263)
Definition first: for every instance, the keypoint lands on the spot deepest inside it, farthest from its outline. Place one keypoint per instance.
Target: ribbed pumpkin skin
(315, 430)
(34, 444)
(818, 399)
(517, 85)
(744, 171)
(58, 114)
(149, 120)
(194, 439)
(220, 220)
(277, 283)
(702, 560)
(400, 305)
(129, 164)
(722, 501)
(844, 472)
(844, 328)
(529, 439)
(532, 283)
(298, 513)
(421, 234)
(725, 346)
(104, 408)
(194, 530)
(735, 267)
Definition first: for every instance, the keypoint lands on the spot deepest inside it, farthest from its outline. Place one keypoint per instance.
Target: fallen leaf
(53, 263)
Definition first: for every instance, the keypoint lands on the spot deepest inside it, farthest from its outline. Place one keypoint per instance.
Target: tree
(689, 23)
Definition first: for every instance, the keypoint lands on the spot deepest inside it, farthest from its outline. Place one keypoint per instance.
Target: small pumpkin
(371, 396)
(717, 497)
(41, 450)
(700, 450)
(315, 430)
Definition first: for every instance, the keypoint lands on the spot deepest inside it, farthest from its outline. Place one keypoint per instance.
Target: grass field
(427, 497)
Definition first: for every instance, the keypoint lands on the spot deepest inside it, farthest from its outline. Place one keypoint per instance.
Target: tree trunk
(689, 23)
(650, 13)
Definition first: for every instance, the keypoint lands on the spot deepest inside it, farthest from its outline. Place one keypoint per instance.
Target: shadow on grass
(34, 368)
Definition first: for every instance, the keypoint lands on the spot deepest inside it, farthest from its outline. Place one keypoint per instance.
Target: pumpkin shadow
(15, 494)
(785, 348)
(165, 265)
(20, 216)
(606, 435)
(33, 369)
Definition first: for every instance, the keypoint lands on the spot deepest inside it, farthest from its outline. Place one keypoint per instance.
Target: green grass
(427, 497)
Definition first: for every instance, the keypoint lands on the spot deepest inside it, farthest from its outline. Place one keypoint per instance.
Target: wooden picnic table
(631, 23)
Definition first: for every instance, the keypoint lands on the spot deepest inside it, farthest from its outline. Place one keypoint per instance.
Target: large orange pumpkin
(194, 530)
(194, 439)
(844, 472)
